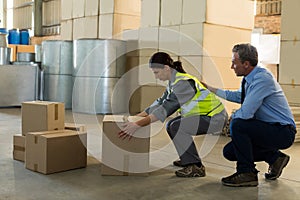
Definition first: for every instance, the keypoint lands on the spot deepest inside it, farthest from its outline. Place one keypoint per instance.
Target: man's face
(238, 67)
(161, 73)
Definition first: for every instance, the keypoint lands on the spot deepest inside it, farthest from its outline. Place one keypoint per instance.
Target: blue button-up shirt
(264, 99)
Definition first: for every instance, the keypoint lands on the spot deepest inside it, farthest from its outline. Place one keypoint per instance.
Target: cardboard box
(19, 147)
(85, 27)
(291, 92)
(171, 12)
(42, 116)
(224, 13)
(151, 13)
(129, 7)
(124, 157)
(91, 7)
(191, 39)
(169, 40)
(67, 30)
(224, 38)
(289, 18)
(112, 25)
(106, 6)
(289, 72)
(148, 41)
(193, 11)
(193, 65)
(55, 151)
(66, 12)
(216, 73)
(75, 127)
(144, 96)
(78, 8)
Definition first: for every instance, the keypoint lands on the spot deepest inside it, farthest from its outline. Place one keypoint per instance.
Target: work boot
(191, 171)
(276, 168)
(241, 180)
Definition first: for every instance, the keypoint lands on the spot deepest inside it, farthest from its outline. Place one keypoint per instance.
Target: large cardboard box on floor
(124, 157)
(55, 151)
(19, 147)
(42, 116)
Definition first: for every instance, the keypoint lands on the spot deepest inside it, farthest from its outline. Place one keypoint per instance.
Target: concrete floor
(17, 182)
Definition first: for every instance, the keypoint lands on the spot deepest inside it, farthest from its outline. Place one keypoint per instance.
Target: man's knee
(228, 152)
(236, 125)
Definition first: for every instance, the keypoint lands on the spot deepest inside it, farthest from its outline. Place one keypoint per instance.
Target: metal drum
(57, 64)
(98, 66)
(4, 56)
(59, 88)
(57, 57)
(3, 39)
(94, 95)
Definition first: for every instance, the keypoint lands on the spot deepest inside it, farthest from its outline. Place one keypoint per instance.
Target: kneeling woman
(201, 112)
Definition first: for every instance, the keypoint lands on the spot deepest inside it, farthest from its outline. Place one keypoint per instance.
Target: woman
(201, 112)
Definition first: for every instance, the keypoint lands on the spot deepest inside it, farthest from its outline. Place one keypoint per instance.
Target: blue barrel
(3, 37)
(24, 36)
(14, 36)
(3, 30)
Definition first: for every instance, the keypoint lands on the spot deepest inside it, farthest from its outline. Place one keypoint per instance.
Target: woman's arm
(142, 114)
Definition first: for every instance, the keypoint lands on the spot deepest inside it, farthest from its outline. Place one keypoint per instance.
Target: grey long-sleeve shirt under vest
(173, 97)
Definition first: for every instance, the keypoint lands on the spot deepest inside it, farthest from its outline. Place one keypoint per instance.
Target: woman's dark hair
(246, 52)
(160, 59)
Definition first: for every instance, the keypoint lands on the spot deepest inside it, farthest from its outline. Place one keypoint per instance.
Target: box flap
(63, 134)
(121, 118)
(115, 118)
(40, 102)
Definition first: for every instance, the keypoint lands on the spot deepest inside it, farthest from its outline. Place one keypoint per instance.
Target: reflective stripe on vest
(203, 103)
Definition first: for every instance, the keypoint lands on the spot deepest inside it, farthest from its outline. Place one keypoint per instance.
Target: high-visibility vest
(203, 103)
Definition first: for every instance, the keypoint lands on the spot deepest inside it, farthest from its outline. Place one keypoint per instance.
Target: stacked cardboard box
(19, 148)
(98, 19)
(55, 151)
(47, 144)
(42, 116)
(124, 157)
(144, 96)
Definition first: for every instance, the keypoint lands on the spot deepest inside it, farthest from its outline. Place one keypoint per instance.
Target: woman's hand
(128, 130)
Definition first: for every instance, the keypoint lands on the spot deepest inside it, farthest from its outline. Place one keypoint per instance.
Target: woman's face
(162, 74)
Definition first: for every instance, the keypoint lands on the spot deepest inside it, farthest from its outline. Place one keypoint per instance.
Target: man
(262, 126)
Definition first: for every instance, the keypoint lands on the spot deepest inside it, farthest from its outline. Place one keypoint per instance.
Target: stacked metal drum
(98, 67)
(4, 50)
(57, 65)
